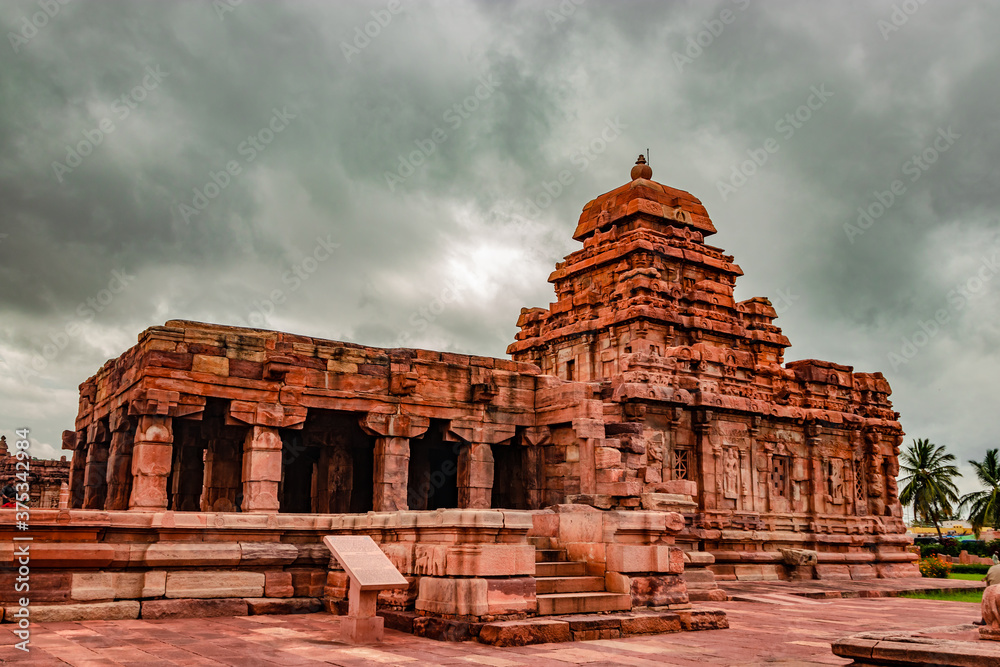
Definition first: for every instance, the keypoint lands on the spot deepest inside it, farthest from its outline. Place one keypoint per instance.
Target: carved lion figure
(991, 607)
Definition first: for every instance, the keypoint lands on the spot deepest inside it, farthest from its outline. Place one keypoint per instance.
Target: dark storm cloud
(419, 167)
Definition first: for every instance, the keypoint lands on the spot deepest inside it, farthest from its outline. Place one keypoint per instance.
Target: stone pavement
(759, 591)
(790, 630)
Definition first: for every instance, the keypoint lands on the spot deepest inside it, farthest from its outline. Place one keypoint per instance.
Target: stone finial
(3, 446)
(641, 169)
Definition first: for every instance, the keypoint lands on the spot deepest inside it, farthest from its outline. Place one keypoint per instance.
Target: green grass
(961, 596)
(975, 596)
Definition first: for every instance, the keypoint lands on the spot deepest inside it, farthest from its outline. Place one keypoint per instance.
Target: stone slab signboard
(365, 562)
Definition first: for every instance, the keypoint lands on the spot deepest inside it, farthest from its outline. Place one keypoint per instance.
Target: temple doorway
(433, 471)
(510, 483)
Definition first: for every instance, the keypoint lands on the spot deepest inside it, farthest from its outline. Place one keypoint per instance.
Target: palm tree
(984, 506)
(928, 481)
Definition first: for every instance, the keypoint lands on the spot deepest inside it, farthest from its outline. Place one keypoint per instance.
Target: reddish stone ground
(790, 630)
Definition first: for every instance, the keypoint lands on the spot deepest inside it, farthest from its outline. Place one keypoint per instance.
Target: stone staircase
(563, 586)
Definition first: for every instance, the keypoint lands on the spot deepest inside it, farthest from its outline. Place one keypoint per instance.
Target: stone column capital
(479, 432)
(393, 425)
(272, 415)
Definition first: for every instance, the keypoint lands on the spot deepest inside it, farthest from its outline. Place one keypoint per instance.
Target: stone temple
(645, 441)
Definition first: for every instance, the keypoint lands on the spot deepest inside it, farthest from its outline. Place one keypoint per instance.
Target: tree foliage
(928, 483)
(984, 506)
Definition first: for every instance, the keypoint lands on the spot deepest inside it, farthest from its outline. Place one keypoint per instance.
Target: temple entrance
(327, 466)
(188, 469)
(433, 471)
(510, 476)
(298, 460)
(362, 457)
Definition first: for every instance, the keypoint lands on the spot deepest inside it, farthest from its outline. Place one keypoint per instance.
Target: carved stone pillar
(152, 452)
(475, 476)
(119, 474)
(261, 474)
(392, 456)
(702, 424)
(77, 473)
(589, 435)
(392, 460)
(754, 503)
(475, 459)
(261, 470)
(95, 476)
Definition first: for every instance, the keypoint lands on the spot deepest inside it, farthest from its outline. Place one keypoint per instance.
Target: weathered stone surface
(214, 584)
(116, 585)
(460, 597)
(702, 619)
(193, 608)
(45, 586)
(278, 584)
(799, 557)
(443, 629)
(644, 558)
(658, 591)
(398, 620)
(832, 571)
(257, 606)
(308, 582)
(267, 553)
(650, 623)
(511, 596)
(154, 584)
(192, 554)
(522, 633)
(92, 611)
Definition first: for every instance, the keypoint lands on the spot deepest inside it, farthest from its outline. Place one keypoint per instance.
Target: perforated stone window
(682, 464)
(779, 476)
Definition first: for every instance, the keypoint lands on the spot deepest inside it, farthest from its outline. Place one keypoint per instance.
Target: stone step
(571, 569)
(540, 542)
(582, 603)
(569, 585)
(550, 555)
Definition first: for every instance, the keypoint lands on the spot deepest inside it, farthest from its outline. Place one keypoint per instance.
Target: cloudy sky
(386, 173)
